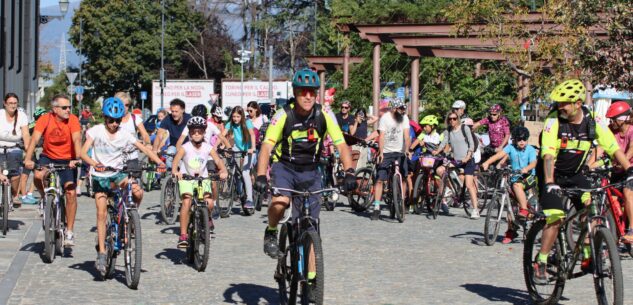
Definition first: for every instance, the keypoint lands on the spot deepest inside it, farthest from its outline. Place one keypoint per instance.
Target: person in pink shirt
(619, 112)
(498, 130)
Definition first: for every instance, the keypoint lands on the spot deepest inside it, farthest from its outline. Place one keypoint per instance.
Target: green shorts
(187, 186)
(102, 184)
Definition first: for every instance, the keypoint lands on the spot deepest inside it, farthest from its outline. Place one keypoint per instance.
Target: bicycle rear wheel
(59, 209)
(608, 280)
(360, 199)
(312, 289)
(419, 197)
(286, 266)
(493, 220)
(133, 249)
(398, 199)
(551, 291)
(49, 229)
(169, 201)
(200, 238)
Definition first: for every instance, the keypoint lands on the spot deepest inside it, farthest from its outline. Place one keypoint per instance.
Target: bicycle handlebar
(305, 193)
(232, 152)
(215, 177)
(58, 167)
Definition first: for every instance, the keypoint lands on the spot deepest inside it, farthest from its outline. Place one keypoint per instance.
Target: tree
(59, 86)
(121, 41)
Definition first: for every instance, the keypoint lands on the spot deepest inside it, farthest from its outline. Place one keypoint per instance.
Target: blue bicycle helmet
(113, 107)
(305, 78)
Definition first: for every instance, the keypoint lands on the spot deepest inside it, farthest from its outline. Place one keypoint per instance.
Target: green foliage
(59, 86)
(121, 40)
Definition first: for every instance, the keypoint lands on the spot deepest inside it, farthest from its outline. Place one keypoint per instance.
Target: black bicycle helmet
(199, 110)
(520, 133)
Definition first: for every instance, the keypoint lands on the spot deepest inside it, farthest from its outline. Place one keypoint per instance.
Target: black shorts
(284, 177)
(67, 175)
(551, 201)
(390, 158)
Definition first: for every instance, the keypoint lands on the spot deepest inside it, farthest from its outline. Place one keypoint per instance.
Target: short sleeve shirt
(7, 138)
(57, 135)
(625, 140)
(345, 124)
(521, 158)
(393, 132)
(174, 129)
(497, 131)
(111, 150)
(238, 137)
(361, 130)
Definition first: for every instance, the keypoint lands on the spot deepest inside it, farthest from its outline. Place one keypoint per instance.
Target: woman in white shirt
(13, 130)
(134, 125)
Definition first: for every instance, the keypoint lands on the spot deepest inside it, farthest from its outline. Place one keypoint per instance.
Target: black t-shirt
(361, 130)
(345, 124)
(175, 130)
(568, 161)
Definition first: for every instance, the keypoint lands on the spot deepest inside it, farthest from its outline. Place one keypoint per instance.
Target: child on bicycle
(522, 158)
(195, 155)
(110, 146)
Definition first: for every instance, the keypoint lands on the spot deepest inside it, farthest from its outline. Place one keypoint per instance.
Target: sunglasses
(521, 140)
(452, 119)
(344, 107)
(494, 114)
(307, 91)
(110, 120)
(250, 110)
(196, 131)
(63, 107)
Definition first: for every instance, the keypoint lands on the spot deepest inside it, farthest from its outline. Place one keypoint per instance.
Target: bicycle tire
(419, 194)
(109, 247)
(360, 200)
(224, 187)
(603, 234)
(285, 271)
(398, 198)
(133, 249)
(200, 240)
(5, 210)
(434, 208)
(493, 220)
(59, 227)
(530, 252)
(257, 198)
(482, 192)
(227, 206)
(312, 290)
(329, 205)
(168, 202)
(49, 229)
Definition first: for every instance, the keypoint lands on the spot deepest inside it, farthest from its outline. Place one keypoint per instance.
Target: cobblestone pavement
(421, 261)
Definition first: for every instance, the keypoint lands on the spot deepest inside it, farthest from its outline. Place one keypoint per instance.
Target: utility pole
(81, 25)
(270, 74)
(162, 54)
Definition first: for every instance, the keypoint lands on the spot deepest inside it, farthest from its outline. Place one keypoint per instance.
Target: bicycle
(149, 177)
(233, 188)
(360, 199)
(6, 204)
(123, 230)
(563, 257)
(452, 190)
(169, 198)
(503, 199)
(328, 180)
(198, 228)
(54, 217)
(425, 187)
(297, 239)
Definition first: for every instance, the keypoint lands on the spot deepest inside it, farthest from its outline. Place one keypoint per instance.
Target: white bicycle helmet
(459, 104)
(218, 112)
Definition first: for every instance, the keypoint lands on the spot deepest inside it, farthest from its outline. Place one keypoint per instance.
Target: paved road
(418, 262)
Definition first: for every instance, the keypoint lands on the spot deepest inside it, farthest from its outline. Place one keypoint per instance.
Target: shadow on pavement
(177, 256)
(476, 238)
(149, 214)
(250, 294)
(499, 294)
(15, 224)
(174, 230)
(88, 266)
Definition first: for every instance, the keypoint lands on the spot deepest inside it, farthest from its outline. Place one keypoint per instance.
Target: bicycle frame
(616, 208)
(119, 210)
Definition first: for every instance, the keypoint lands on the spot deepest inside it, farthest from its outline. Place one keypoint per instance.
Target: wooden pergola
(439, 40)
(330, 63)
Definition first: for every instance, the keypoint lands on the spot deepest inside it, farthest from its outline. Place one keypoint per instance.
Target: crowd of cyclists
(284, 151)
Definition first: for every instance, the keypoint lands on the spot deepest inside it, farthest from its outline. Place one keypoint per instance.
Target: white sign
(192, 92)
(253, 91)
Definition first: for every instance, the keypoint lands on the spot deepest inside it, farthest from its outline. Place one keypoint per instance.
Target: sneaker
(444, 208)
(211, 225)
(183, 241)
(69, 241)
(29, 199)
(586, 265)
(249, 205)
(523, 215)
(474, 214)
(540, 273)
(271, 246)
(509, 237)
(375, 215)
(100, 263)
(628, 237)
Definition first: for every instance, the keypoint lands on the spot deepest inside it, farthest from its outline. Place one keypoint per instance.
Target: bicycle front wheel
(49, 229)
(419, 193)
(607, 278)
(285, 273)
(227, 205)
(133, 249)
(109, 246)
(360, 199)
(312, 289)
(200, 239)
(493, 220)
(549, 292)
(398, 198)
(168, 202)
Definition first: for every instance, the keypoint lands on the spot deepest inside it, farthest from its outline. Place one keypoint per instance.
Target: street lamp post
(244, 57)
(63, 8)
(162, 54)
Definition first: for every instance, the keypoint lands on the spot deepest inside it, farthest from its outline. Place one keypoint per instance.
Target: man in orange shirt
(62, 145)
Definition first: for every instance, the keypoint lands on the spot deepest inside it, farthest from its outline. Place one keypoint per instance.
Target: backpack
(260, 134)
(474, 136)
(416, 127)
(150, 124)
(316, 120)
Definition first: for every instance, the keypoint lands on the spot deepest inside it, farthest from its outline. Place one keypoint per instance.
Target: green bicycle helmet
(569, 91)
(306, 78)
(429, 120)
